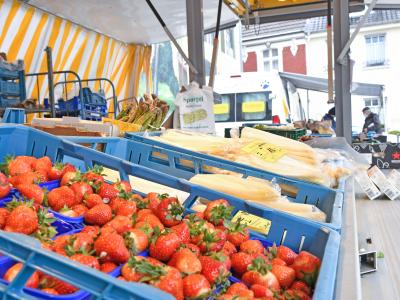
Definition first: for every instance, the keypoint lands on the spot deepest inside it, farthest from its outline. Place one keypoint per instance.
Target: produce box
(283, 229)
(185, 163)
(123, 126)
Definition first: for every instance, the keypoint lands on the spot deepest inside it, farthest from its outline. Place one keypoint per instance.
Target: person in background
(330, 116)
(372, 122)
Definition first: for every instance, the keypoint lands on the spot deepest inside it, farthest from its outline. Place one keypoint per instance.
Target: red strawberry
(195, 249)
(68, 168)
(301, 286)
(43, 164)
(81, 189)
(22, 219)
(80, 242)
(278, 261)
(240, 290)
(171, 283)
(94, 176)
(32, 192)
(11, 273)
(50, 291)
(18, 166)
(142, 213)
(92, 230)
(164, 246)
(56, 171)
(263, 292)
(60, 197)
(136, 241)
(121, 224)
(153, 201)
(108, 191)
(79, 209)
(98, 215)
(252, 247)
(306, 266)
(218, 211)
(259, 272)
(92, 200)
(108, 267)
(240, 262)
(197, 230)
(229, 248)
(213, 240)
(87, 260)
(170, 211)
(196, 286)
(111, 248)
(123, 186)
(183, 232)
(185, 261)
(238, 233)
(152, 220)
(70, 177)
(4, 213)
(30, 160)
(4, 186)
(215, 267)
(145, 228)
(126, 208)
(60, 243)
(131, 271)
(284, 274)
(284, 253)
(60, 286)
(295, 294)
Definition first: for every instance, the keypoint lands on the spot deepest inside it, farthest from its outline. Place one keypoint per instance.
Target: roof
(314, 25)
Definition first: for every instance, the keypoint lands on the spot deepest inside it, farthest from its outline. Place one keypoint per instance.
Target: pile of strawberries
(195, 256)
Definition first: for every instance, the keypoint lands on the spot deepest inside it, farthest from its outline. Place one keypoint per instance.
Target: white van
(248, 98)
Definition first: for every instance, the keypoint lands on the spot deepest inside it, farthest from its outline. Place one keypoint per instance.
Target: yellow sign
(253, 222)
(220, 109)
(253, 107)
(265, 151)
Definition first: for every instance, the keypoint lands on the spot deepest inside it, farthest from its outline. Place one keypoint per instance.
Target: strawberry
(31, 192)
(67, 168)
(4, 186)
(22, 219)
(92, 200)
(295, 294)
(123, 186)
(240, 290)
(30, 160)
(195, 249)
(17, 166)
(108, 267)
(115, 203)
(56, 172)
(229, 248)
(152, 220)
(136, 241)
(142, 213)
(11, 273)
(154, 200)
(164, 245)
(301, 286)
(183, 232)
(213, 240)
(263, 292)
(284, 274)
(60, 243)
(4, 213)
(44, 164)
(98, 215)
(79, 209)
(70, 177)
(170, 283)
(87, 260)
(145, 228)
(92, 230)
(240, 262)
(215, 267)
(60, 197)
(50, 291)
(259, 272)
(185, 261)
(252, 247)
(81, 242)
(121, 224)
(108, 191)
(60, 286)
(26, 178)
(218, 211)
(306, 266)
(170, 211)
(111, 248)
(68, 212)
(238, 233)
(284, 253)
(197, 230)
(81, 189)
(126, 208)
(278, 261)
(94, 176)
(131, 271)
(196, 286)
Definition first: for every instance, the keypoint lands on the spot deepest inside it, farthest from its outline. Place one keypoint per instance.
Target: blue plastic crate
(14, 115)
(175, 162)
(292, 231)
(9, 88)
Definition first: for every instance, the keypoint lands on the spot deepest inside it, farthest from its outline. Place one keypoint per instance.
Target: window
(253, 106)
(375, 45)
(374, 104)
(227, 41)
(270, 59)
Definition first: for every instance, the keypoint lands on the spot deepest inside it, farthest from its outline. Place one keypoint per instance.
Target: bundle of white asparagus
(299, 160)
(256, 190)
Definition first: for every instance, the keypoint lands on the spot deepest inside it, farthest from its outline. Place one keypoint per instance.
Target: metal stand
(50, 79)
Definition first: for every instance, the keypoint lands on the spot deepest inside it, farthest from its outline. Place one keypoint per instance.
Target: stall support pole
(341, 29)
(50, 81)
(195, 32)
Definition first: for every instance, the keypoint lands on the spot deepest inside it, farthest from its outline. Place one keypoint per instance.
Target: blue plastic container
(294, 232)
(14, 115)
(175, 161)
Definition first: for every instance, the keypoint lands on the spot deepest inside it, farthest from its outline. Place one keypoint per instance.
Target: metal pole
(341, 28)
(50, 81)
(215, 47)
(156, 61)
(195, 32)
(329, 46)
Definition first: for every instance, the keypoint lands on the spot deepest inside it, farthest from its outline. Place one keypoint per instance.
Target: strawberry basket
(283, 229)
(183, 163)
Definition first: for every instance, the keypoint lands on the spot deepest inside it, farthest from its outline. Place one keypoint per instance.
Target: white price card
(394, 178)
(383, 184)
(367, 185)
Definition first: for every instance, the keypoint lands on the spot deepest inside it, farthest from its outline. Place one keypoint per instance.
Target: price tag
(394, 178)
(367, 185)
(384, 185)
(254, 222)
(265, 151)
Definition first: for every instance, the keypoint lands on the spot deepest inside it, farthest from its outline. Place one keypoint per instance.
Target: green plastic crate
(294, 134)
